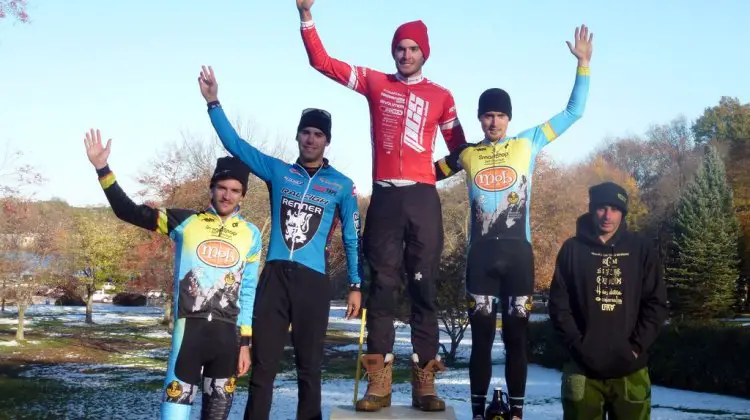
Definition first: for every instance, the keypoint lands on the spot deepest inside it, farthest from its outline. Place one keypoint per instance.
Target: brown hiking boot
(423, 394)
(379, 379)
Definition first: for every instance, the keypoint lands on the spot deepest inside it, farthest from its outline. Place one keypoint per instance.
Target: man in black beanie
(217, 254)
(308, 197)
(607, 303)
(500, 263)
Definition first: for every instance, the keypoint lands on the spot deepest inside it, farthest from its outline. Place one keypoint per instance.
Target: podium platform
(401, 412)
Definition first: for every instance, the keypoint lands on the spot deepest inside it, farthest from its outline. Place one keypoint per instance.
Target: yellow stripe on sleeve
(548, 131)
(246, 331)
(161, 223)
(107, 180)
(584, 71)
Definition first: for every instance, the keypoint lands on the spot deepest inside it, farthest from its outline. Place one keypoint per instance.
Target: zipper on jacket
(302, 201)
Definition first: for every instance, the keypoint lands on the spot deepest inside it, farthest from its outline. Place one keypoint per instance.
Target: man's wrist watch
(355, 287)
(245, 341)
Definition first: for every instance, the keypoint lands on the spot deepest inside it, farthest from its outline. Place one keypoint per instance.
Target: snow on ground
(103, 314)
(110, 382)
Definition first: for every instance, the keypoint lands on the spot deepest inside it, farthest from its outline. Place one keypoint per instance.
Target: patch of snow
(11, 343)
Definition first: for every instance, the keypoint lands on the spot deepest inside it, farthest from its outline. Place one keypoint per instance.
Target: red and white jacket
(405, 114)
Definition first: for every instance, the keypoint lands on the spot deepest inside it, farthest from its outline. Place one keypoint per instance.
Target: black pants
(403, 229)
(210, 346)
(499, 269)
(288, 292)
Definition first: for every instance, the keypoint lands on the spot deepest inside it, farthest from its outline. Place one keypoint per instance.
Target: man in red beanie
(404, 222)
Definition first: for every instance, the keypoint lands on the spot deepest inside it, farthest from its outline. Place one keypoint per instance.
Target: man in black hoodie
(607, 304)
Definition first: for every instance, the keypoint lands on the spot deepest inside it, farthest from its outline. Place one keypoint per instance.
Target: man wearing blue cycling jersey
(307, 197)
(500, 260)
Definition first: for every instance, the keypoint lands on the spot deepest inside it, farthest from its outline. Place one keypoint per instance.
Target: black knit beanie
(608, 194)
(316, 118)
(495, 100)
(229, 167)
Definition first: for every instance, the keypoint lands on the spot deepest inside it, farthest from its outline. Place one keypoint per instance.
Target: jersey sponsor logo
(292, 180)
(308, 197)
(325, 190)
(301, 221)
(217, 253)
(497, 178)
(416, 113)
(355, 216)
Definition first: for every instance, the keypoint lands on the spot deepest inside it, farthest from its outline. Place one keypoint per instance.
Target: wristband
(213, 104)
(355, 287)
(245, 340)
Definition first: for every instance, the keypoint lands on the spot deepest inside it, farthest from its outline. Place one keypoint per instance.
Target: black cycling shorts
(500, 267)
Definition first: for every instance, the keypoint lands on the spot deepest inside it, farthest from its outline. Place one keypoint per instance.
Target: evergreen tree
(703, 269)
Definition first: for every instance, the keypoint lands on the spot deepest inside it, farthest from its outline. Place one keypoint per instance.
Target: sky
(130, 68)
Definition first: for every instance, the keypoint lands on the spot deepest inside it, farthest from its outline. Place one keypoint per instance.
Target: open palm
(583, 44)
(208, 84)
(97, 153)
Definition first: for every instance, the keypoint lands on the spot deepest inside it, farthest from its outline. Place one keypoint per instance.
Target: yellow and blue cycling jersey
(216, 262)
(499, 174)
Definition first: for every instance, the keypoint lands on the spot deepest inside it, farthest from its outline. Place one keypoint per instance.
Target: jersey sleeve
(451, 164)
(351, 235)
(249, 284)
(163, 221)
(555, 126)
(353, 77)
(260, 164)
(450, 126)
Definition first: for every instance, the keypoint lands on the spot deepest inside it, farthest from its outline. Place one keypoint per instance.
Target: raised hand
(304, 5)
(95, 151)
(207, 82)
(583, 45)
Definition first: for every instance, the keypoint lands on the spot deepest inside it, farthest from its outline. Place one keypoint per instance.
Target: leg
(271, 321)
(424, 243)
(310, 307)
(183, 370)
(516, 288)
(483, 321)
(383, 246)
(582, 398)
(515, 324)
(219, 380)
(632, 397)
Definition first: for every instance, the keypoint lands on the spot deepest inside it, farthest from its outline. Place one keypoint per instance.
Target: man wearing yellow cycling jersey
(500, 261)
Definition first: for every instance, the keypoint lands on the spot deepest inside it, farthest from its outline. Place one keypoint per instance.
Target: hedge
(706, 357)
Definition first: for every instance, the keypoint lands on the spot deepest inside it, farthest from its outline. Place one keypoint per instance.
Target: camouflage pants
(627, 398)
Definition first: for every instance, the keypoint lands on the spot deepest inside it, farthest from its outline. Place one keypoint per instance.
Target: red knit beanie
(417, 32)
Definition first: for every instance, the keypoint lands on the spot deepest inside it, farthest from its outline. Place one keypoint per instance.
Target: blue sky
(130, 69)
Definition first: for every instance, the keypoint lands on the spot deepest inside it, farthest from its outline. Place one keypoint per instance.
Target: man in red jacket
(404, 221)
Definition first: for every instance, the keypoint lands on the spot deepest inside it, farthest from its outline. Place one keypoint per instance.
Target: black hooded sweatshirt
(607, 300)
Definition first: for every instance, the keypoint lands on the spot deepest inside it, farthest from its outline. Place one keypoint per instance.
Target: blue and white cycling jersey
(304, 208)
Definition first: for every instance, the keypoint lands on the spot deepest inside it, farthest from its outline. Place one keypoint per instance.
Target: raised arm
(653, 308)
(158, 220)
(353, 77)
(557, 125)
(260, 164)
(449, 165)
(248, 286)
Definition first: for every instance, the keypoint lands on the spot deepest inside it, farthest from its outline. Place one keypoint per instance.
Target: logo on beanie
(622, 197)
(497, 178)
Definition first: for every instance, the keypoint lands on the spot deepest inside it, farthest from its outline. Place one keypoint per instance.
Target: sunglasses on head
(322, 111)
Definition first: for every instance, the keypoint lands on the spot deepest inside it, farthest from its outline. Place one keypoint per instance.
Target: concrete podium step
(401, 412)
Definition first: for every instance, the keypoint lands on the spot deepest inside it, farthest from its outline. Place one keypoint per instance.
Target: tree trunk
(21, 314)
(167, 320)
(3, 308)
(89, 305)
